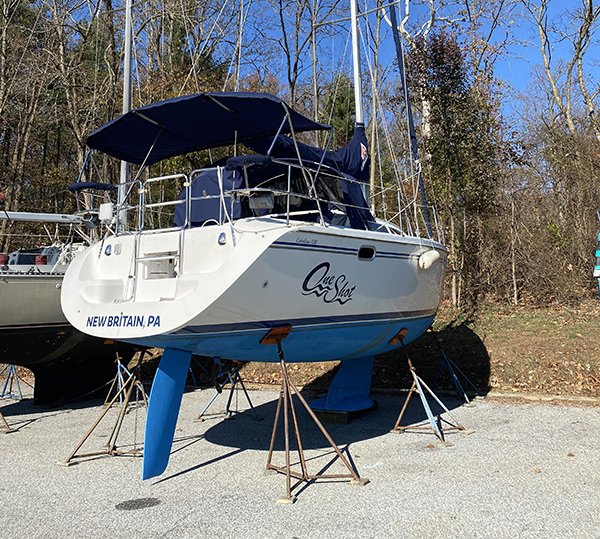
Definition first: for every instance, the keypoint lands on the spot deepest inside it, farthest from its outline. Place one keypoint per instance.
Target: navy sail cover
(352, 159)
(196, 122)
(351, 162)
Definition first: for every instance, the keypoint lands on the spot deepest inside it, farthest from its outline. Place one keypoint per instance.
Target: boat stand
(12, 380)
(438, 426)
(126, 386)
(4, 425)
(453, 369)
(286, 393)
(232, 377)
(118, 382)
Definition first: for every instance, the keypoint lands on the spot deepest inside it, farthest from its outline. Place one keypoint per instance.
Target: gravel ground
(528, 470)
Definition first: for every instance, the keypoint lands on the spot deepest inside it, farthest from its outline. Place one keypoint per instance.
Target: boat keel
(350, 388)
(163, 409)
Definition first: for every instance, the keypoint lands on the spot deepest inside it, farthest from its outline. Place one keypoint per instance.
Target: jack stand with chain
(12, 380)
(118, 382)
(288, 389)
(452, 369)
(4, 425)
(232, 377)
(123, 395)
(437, 426)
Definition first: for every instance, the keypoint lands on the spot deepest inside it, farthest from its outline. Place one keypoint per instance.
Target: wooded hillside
(515, 177)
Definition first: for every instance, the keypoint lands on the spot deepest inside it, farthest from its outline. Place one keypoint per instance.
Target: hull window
(366, 252)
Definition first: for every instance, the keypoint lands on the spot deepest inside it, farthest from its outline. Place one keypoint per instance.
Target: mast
(124, 177)
(356, 65)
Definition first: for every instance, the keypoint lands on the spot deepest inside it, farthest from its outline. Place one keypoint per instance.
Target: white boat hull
(217, 290)
(30, 299)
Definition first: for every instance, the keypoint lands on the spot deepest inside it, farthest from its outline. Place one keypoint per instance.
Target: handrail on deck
(407, 219)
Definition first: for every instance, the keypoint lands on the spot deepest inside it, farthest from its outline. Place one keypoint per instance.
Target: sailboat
(34, 332)
(282, 241)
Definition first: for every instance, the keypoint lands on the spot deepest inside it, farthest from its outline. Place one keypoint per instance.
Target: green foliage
(338, 109)
(461, 142)
(462, 149)
(557, 235)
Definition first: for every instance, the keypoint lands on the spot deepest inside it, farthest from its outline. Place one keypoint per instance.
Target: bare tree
(578, 31)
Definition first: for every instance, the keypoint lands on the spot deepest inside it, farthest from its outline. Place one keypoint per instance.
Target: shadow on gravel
(244, 431)
(27, 406)
(20, 413)
(462, 347)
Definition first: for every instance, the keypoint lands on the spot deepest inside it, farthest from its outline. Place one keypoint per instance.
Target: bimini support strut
(286, 402)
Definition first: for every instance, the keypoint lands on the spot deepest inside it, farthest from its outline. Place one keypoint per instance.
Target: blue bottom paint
(350, 389)
(323, 342)
(163, 409)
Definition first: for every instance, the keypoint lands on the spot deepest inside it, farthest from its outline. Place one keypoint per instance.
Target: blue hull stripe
(313, 248)
(306, 322)
(333, 249)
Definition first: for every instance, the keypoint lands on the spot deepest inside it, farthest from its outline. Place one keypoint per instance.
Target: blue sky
(521, 67)
(518, 67)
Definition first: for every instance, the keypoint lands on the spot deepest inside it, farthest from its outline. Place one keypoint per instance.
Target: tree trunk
(513, 258)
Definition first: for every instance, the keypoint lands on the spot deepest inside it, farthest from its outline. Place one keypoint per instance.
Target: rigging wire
(337, 79)
(136, 64)
(188, 46)
(412, 133)
(408, 173)
(199, 49)
(236, 57)
(386, 130)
